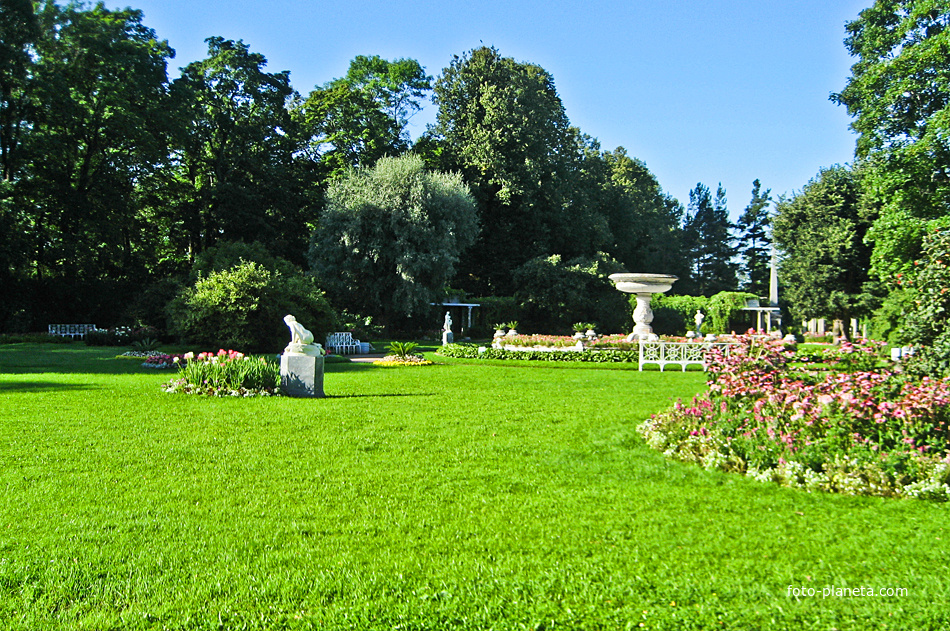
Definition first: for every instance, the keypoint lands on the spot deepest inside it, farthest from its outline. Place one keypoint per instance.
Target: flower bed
(408, 360)
(162, 360)
(138, 354)
(471, 351)
(858, 429)
(565, 343)
(225, 373)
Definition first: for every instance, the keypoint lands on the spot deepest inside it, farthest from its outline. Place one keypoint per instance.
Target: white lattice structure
(342, 343)
(679, 353)
(71, 330)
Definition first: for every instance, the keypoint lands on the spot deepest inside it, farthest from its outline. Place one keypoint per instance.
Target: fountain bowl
(643, 283)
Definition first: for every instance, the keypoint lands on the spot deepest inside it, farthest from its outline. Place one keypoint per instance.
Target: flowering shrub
(856, 432)
(225, 373)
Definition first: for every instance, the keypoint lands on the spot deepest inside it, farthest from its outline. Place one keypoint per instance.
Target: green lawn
(458, 496)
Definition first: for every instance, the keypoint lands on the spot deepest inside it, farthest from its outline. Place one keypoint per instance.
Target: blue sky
(701, 91)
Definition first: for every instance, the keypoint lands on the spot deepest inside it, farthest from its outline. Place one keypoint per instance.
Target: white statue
(447, 325)
(301, 340)
(698, 319)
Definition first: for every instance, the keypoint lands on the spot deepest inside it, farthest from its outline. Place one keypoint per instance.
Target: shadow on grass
(66, 359)
(42, 386)
(388, 394)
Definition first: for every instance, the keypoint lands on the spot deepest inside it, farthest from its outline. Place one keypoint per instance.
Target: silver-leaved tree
(390, 237)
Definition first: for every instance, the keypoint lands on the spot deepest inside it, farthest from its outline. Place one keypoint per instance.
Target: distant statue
(447, 335)
(698, 319)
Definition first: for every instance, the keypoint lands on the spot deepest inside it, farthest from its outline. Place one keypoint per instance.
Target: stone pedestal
(302, 375)
(447, 337)
(643, 316)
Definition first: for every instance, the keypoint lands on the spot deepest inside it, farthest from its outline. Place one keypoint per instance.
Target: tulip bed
(225, 373)
(856, 427)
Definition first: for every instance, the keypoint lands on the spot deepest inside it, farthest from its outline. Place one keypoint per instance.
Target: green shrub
(887, 321)
(554, 293)
(402, 349)
(244, 307)
(674, 315)
(492, 310)
(928, 321)
(362, 327)
(34, 338)
(723, 308)
(147, 344)
(229, 254)
(147, 307)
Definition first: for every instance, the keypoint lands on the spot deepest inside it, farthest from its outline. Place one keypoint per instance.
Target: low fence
(680, 354)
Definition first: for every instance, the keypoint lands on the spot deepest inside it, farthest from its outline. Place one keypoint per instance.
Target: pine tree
(709, 242)
(755, 243)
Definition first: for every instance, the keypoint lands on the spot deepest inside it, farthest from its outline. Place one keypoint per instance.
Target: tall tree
(709, 243)
(235, 177)
(755, 245)
(98, 91)
(644, 222)
(390, 237)
(354, 121)
(899, 97)
(821, 235)
(397, 87)
(19, 30)
(502, 124)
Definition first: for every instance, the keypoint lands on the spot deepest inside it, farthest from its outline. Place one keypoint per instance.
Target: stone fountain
(644, 286)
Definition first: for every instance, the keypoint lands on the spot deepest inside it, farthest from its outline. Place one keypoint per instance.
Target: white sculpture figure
(698, 318)
(447, 335)
(301, 340)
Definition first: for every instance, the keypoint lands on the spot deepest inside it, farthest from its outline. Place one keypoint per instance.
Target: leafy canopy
(899, 96)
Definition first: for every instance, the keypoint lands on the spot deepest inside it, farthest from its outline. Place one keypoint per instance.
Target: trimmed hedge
(470, 351)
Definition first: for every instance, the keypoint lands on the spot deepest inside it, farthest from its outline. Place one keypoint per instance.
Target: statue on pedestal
(301, 340)
(447, 336)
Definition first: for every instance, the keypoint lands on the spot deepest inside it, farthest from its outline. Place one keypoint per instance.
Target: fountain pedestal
(644, 286)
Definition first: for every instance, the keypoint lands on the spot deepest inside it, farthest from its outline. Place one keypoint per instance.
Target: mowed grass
(456, 496)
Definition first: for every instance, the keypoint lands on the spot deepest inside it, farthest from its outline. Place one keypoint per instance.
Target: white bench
(71, 330)
(343, 343)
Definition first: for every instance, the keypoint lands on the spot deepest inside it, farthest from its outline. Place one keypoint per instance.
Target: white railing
(681, 354)
(71, 330)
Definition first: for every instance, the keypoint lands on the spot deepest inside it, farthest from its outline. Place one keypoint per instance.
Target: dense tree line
(117, 178)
